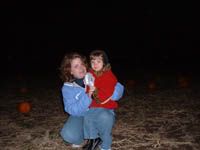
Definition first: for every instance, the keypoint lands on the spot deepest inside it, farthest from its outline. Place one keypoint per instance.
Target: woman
(77, 101)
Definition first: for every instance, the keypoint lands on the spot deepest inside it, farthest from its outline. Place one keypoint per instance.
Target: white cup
(89, 79)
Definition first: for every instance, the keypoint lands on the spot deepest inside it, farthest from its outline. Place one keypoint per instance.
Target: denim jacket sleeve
(118, 92)
(76, 101)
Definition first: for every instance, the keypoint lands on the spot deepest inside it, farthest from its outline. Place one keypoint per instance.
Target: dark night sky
(37, 35)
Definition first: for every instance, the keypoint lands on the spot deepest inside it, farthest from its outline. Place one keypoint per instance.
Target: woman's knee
(66, 135)
(71, 137)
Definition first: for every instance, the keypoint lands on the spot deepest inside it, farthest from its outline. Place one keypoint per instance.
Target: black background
(137, 35)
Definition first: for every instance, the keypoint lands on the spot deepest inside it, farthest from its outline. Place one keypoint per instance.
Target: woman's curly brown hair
(65, 67)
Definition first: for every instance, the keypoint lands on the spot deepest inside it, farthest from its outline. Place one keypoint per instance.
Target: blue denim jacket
(76, 101)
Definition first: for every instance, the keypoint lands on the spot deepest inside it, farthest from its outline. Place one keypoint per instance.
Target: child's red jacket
(105, 84)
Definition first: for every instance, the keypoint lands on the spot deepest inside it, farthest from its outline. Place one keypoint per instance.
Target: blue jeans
(98, 122)
(72, 131)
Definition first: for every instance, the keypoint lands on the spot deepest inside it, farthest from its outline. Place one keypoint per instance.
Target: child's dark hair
(100, 53)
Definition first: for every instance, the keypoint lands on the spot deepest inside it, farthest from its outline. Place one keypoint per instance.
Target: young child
(104, 80)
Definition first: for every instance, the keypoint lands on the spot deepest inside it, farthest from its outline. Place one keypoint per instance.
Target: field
(165, 118)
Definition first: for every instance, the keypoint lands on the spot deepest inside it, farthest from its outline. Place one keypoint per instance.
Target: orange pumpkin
(152, 86)
(23, 90)
(183, 82)
(130, 83)
(24, 107)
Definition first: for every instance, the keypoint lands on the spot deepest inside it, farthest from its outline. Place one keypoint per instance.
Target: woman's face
(78, 68)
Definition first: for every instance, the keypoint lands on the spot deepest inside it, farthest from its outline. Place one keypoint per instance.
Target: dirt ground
(163, 119)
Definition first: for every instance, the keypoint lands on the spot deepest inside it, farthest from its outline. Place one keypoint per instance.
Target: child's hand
(91, 90)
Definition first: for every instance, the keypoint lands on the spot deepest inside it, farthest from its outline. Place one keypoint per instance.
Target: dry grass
(168, 119)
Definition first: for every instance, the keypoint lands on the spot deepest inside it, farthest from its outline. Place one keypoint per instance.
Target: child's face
(97, 63)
